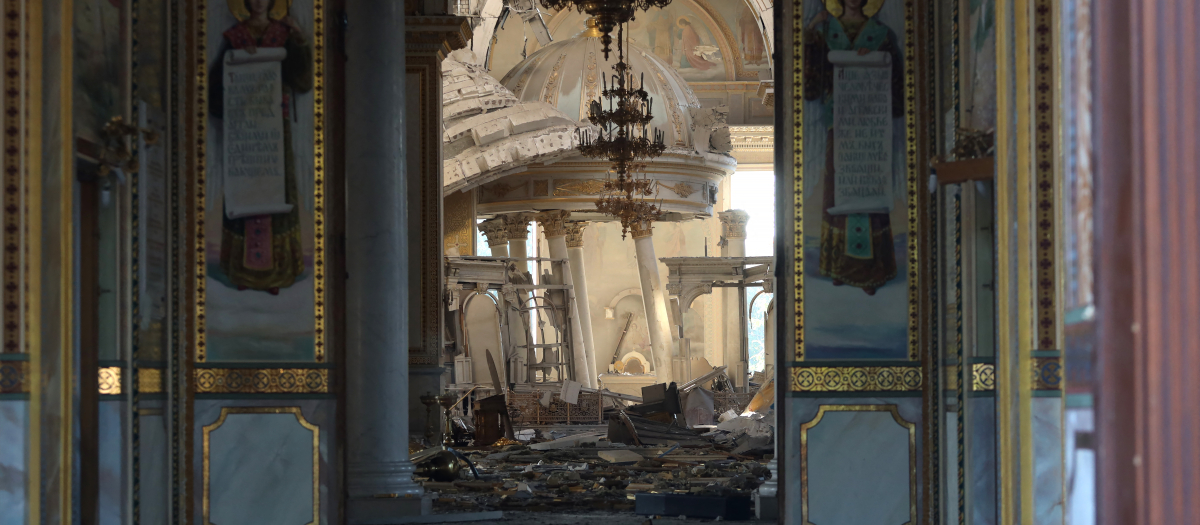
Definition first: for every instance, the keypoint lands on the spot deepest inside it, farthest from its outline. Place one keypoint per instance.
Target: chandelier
(625, 140)
(609, 14)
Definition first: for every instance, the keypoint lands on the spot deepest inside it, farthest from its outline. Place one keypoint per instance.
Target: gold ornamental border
(856, 379)
(316, 453)
(983, 377)
(912, 452)
(200, 117)
(14, 377)
(15, 160)
(912, 175)
(261, 380)
(1044, 139)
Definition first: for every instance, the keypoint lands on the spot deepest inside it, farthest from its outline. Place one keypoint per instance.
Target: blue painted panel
(14, 417)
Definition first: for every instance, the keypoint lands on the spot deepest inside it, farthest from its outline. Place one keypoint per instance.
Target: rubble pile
(645, 461)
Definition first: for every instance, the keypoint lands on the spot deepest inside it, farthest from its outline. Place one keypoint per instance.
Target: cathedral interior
(564, 262)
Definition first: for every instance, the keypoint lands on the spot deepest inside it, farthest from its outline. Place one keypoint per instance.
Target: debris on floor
(650, 458)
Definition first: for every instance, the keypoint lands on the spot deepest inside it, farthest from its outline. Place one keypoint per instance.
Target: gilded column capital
(517, 225)
(495, 230)
(575, 234)
(641, 229)
(554, 223)
(733, 223)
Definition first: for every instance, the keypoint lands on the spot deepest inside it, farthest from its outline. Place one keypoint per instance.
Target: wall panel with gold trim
(864, 273)
(259, 372)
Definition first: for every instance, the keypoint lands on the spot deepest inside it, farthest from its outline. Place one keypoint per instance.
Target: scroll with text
(254, 138)
(862, 132)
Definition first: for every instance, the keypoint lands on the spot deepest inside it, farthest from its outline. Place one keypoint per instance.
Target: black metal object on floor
(726, 508)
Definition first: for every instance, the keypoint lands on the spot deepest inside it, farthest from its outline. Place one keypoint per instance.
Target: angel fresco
(265, 252)
(856, 249)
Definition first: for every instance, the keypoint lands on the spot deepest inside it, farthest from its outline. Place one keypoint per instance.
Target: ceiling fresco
(706, 41)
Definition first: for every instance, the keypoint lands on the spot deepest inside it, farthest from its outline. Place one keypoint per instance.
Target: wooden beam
(960, 171)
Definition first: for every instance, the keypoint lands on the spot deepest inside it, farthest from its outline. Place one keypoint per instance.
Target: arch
(610, 311)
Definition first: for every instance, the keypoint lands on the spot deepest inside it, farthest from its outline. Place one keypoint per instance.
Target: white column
(655, 299)
(554, 227)
(733, 236)
(579, 278)
(517, 226)
(496, 233)
(377, 463)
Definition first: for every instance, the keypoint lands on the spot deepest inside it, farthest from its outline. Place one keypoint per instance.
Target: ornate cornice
(733, 223)
(554, 223)
(495, 230)
(575, 234)
(436, 34)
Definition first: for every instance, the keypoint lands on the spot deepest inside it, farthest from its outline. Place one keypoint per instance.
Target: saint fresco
(856, 289)
(259, 214)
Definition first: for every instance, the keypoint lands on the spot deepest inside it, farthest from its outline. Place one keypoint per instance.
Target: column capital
(641, 229)
(495, 230)
(575, 234)
(517, 225)
(554, 223)
(733, 223)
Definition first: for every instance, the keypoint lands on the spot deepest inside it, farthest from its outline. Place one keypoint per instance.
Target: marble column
(733, 236)
(655, 299)
(496, 233)
(554, 227)
(378, 471)
(579, 278)
(517, 231)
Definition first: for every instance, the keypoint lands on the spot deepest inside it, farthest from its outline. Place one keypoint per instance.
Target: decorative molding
(109, 380)
(436, 34)
(856, 379)
(1045, 75)
(316, 454)
(14, 377)
(1047, 373)
(571, 187)
(150, 380)
(682, 189)
(541, 188)
(983, 377)
(458, 211)
(550, 90)
(262, 381)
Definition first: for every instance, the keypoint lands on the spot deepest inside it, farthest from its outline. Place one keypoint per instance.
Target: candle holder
(430, 401)
(448, 400)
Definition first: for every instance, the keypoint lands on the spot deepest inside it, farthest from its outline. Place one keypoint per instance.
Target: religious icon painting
(857, 224)
(260, 245)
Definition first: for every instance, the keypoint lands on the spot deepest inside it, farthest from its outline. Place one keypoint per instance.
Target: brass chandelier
(609, 14)
(627, 142)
